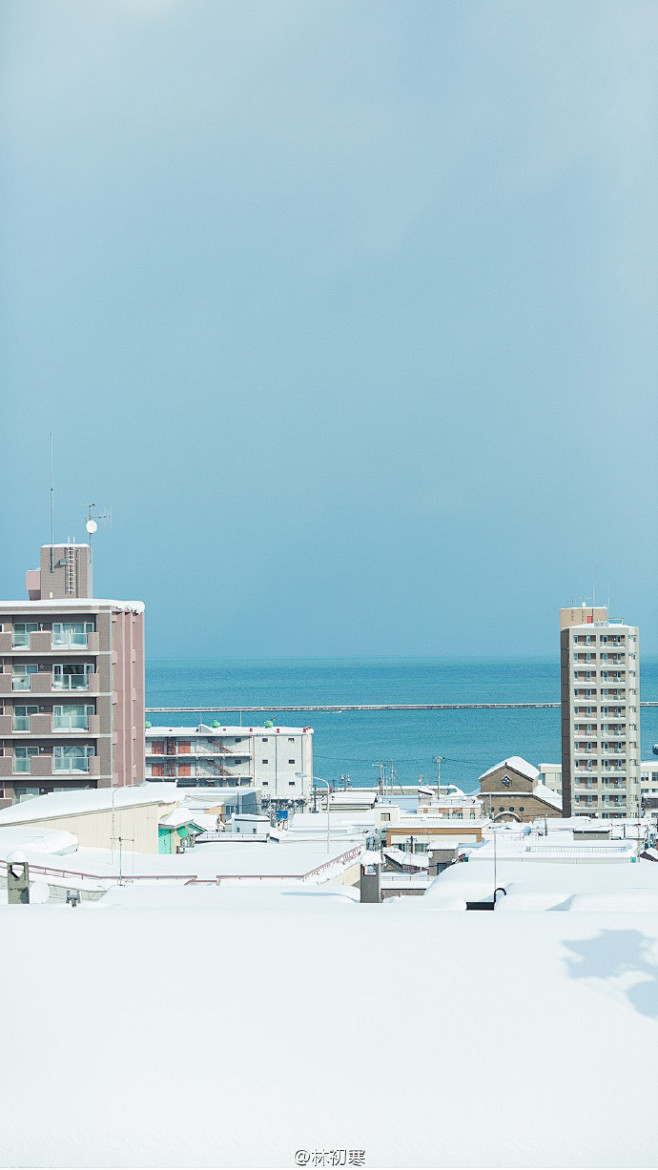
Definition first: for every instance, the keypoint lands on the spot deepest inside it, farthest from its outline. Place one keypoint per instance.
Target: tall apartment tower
(600, 682)
(71, 682)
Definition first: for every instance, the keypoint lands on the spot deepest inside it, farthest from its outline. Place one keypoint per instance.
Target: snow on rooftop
(74, 603)
(547, 794)
(84, 1082)
(518, 764)
(544, 882)
(239, 732)
(85, 800)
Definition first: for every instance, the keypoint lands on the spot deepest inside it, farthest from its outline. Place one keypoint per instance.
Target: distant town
(218, 841)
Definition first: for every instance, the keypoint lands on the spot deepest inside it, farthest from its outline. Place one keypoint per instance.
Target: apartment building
(71, 683)
(600, 682)
(277, 760)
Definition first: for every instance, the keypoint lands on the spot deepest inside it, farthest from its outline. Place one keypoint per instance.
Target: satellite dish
(91, 526)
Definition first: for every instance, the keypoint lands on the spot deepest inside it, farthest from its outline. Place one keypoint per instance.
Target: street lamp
(326, 784)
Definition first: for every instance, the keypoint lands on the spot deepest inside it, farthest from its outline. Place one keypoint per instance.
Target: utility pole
(437, 761)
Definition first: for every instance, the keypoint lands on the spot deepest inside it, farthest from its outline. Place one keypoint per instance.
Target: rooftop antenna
(52, 506)
(93, 520)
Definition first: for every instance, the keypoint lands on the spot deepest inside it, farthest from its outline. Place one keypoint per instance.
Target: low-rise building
(512, 790)
(101, 818)
(649, 784)
(277, 760)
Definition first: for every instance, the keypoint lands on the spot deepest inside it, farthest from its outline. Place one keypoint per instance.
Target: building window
(291, 783)
(22, 717)
(21, 634)
(265, 740)
(291, 739)
(72, 759)
(72, 716)
(266, 783)
(265, 761)
(71, 633)
(291, 761)
(22, 757)
(72, 676)
(21, 676)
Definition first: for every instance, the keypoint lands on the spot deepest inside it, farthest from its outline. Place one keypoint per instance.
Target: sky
(347, 310)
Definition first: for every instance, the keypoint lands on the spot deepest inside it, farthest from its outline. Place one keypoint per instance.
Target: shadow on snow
(616, 953)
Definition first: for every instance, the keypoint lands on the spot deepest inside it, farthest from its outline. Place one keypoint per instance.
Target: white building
(277, 760)
(600, 670)
(649, 782)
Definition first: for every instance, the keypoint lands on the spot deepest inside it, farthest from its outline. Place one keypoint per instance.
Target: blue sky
(346, 309)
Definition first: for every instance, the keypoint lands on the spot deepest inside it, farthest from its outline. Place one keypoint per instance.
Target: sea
(355, 743)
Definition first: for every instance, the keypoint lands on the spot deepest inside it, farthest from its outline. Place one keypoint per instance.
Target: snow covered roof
(179, 817)
(518, 764)
(30, 837)
(547, 794)
(81, 604)
(87, 800)
(203, 731)
(593, 978)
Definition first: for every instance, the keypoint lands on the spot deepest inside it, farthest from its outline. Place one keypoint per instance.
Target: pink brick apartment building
(71, 683)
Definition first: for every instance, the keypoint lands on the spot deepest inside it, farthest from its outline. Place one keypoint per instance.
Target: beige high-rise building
(600, 682)
(71, 683)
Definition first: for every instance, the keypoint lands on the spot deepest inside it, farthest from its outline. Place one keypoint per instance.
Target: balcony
(44, 683)
(45, 766)
(45, 642)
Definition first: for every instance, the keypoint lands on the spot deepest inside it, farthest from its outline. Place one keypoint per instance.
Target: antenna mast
(52, 506)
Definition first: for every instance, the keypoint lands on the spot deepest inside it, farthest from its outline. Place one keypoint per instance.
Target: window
(266, 783)
(22, 757)
(73, 717)
(73, 758)
(264, 740)
(291, 761)
(506, 781)
(71, 633)
(262, 761)
(520, 808)
(22, 672)
(291, 783)
(72, 676)
(21, 634)
(22, 717)
(291, 739)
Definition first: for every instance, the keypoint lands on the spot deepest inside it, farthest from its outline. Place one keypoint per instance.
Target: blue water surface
(353, 742)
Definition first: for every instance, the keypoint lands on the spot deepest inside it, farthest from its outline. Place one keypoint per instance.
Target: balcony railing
(22, 764)
(71, 764)
(70, 641)
(70, 723)
(70, 682)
